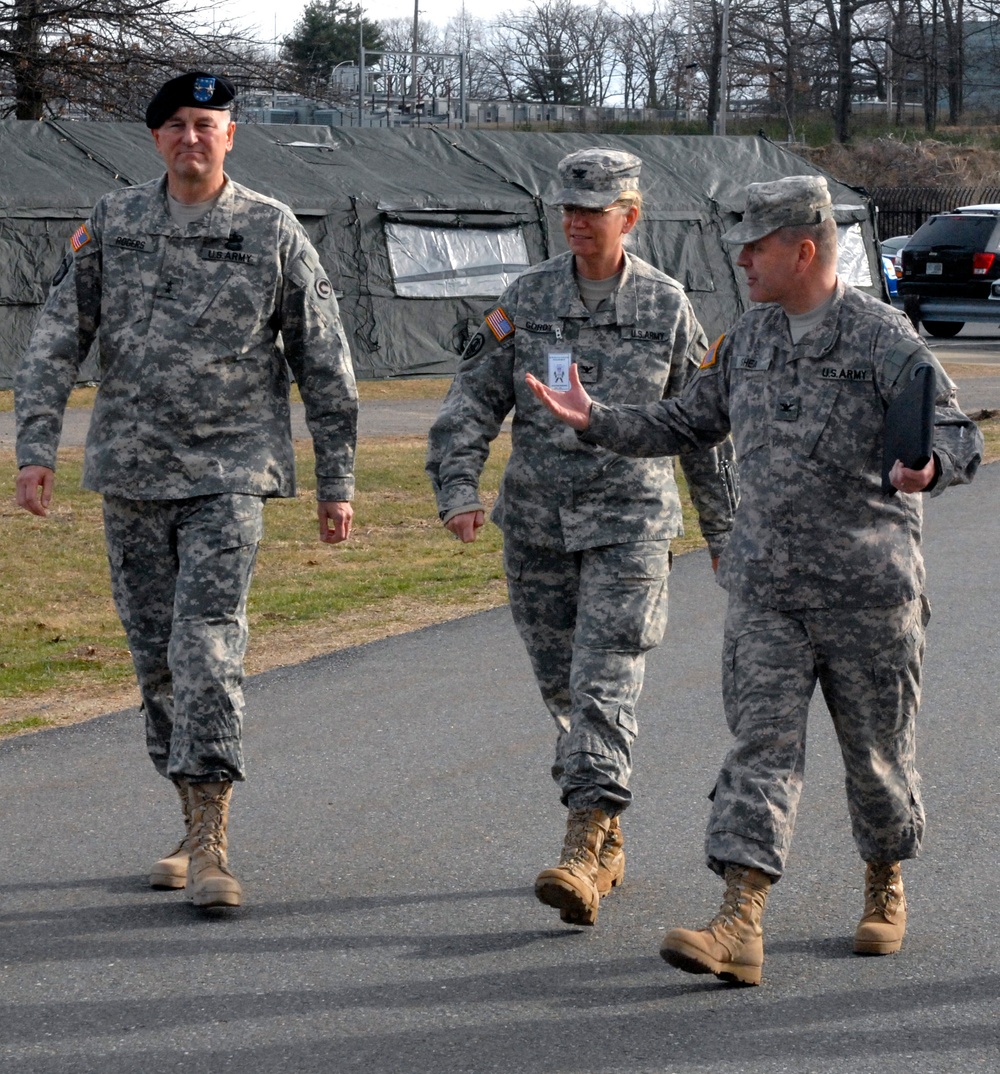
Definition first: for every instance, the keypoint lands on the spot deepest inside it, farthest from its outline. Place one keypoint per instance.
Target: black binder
(909, 425)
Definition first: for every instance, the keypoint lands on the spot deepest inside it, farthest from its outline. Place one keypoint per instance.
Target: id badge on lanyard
(559, 363)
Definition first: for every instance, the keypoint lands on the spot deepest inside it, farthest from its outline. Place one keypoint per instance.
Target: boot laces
(211, 836)
(576, 848)
(729, 911)
(739, 897)
(882, 888)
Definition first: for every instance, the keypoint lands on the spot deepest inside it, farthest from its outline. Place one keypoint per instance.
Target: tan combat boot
(881, 928)
(571, 887)
(170, 873)
(732, 944)
(209, 881)
(611, 860)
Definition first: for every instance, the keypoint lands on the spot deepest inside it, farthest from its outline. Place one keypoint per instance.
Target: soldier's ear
(631, 219)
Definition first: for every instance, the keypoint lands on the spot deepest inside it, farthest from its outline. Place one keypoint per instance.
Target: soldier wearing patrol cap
(586, 534)
(192, 279)
(824, 571)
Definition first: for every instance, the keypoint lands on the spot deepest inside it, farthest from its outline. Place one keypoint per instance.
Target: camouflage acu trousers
(587, 620)
(180, 575)
(868, 664)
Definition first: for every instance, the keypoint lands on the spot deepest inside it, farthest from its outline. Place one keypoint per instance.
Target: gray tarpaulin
(418, 229)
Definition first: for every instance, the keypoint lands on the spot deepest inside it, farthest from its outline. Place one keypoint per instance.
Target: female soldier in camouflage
(586, 534)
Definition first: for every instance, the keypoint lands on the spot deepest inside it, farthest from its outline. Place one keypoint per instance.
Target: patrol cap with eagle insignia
(595, 178)
(196, 89)
(789, 202)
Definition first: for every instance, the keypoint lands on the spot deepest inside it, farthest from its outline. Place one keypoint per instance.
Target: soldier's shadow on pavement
(114, 885)
(831, 948)
(139, 883)
(23, 916)
(546, 1025)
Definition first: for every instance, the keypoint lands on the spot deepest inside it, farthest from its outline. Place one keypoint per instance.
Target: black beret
(196, 89)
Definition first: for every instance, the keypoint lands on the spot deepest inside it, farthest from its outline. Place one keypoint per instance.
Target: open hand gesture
(572, 407)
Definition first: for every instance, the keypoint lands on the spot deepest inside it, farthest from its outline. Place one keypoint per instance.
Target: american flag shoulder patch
(499, 324)
(79, 238)
(711, 354)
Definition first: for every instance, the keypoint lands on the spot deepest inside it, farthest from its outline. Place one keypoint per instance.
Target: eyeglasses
(584, 212)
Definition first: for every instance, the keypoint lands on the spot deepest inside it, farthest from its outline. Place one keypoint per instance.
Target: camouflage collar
(824, 336)
(155, 219)
(627, 296)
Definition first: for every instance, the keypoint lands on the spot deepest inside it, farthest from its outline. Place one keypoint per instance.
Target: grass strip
(398, 389)
(59, 632)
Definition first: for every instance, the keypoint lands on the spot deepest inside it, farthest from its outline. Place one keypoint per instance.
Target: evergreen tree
(325, 35)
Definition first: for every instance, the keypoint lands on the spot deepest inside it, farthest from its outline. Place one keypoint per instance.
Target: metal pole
(461, 89)
(361, 63)
(720, 126)
(416, 45)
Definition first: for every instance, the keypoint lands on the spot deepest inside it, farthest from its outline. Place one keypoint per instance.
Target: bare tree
(652, 55)
(781, 51)
(706, 17)
(841, 16)
(413, 77)
(471, 37)
(105, 58)
(593, 34)
(538, 51)
(558, 52)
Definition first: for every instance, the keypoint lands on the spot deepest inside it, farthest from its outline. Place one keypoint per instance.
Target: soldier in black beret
(196, 89)
(206, 293)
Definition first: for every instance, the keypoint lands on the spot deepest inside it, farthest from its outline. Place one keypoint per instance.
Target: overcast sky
(277, 20)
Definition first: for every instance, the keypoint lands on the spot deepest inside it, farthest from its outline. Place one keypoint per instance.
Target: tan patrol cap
(594, 178)
(790, 202)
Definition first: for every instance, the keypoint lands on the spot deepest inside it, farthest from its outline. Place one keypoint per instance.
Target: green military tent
(419, 228)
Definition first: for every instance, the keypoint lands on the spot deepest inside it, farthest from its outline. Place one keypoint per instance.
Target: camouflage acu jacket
(813, 529)
(557, 491)
(196, 325)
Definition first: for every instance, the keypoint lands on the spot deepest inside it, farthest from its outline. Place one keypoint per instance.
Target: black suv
(951, 270)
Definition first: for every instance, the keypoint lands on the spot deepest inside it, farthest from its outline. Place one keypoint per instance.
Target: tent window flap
(436, 262)
(852, 263)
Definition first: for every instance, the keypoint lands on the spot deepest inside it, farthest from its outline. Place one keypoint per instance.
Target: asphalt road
(978, 344)
(397, 811)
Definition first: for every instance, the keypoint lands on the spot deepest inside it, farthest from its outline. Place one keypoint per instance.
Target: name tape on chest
(235, 257)
(752, 361)
(127, 242)
(832, 372)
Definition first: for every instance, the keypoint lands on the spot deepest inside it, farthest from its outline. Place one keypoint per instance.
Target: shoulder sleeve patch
(712, 354)
(64, 267)
(900, 356)
(79, 238)
(499, 324)
(301, 270)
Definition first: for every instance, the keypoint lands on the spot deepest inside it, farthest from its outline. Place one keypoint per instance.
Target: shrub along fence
(902, 209)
